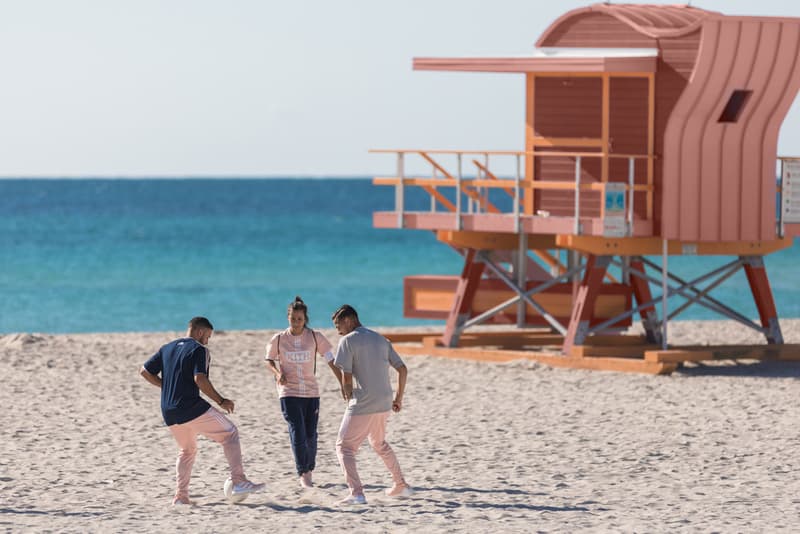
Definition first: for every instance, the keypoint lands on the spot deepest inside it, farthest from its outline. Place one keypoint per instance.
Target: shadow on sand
(752, 368)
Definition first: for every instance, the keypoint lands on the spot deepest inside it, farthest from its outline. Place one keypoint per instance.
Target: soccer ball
(227, 489)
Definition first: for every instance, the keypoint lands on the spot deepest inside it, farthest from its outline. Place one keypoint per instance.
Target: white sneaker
(246, 487)
(354, 499)
(400, 492)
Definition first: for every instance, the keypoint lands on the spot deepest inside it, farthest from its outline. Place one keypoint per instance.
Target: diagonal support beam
(642, 294)
(689, 291)
(521, 294)
(585, 298)
(465, 294)
(762, 295)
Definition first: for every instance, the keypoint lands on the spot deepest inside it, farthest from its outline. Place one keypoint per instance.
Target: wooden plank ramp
(620, 353)
(785, 352)
(540, 346)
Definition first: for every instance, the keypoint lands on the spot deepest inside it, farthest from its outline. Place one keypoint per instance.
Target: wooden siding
(718, 179)
(678, 55)
(628, 134)
(567, 107)
(677, 62)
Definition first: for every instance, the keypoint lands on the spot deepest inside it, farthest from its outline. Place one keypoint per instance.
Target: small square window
(733, 109)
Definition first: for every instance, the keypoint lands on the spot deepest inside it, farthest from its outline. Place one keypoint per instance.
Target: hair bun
(298, 299)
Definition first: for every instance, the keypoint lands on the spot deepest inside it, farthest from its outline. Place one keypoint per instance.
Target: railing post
(458, 194)
(399, 201)
(522, 277)
(781, 189)
(630, 196)
(485, 190)
(577, 228)
(473, 206)
(664, 293)
(433, 199)
(517, 224)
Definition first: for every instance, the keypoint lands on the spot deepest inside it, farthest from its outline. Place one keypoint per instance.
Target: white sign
(614, 210)
(790, 191)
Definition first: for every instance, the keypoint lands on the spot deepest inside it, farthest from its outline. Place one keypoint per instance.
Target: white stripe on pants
(215, 426)
(352, 432)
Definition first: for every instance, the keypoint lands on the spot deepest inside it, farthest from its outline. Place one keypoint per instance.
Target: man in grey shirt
(364, 357)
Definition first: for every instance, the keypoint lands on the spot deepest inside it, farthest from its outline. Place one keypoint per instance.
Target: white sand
(517, 447)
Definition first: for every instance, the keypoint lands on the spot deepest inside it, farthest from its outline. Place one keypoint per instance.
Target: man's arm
(150, 377)
(402, 373)
(206, 387)
(338, 374)
(347, 385)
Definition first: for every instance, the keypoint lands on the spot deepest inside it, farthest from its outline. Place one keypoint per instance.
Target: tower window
(735, 105)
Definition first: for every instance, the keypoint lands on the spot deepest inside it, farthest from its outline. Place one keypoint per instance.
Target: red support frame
(582, 309)
(762, 295)
(465, 293)
(642, 294)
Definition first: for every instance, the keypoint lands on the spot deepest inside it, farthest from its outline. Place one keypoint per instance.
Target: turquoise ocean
(121, 255)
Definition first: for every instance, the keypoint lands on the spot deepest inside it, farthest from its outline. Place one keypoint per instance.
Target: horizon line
(197, 177)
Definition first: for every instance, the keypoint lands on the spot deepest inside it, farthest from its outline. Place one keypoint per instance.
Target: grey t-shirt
(367, 355)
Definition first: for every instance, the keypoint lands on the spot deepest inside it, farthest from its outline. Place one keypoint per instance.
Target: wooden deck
(629, 354)
(499, 222)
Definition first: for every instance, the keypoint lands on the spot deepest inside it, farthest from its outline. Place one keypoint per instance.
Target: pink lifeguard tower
(649, 131)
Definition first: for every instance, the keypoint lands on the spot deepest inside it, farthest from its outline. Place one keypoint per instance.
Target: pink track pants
(215, 426)
(352, 432)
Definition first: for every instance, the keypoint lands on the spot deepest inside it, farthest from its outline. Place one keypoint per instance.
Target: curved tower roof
(654, 21)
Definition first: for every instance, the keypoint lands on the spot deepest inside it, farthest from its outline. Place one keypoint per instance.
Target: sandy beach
(516, 447)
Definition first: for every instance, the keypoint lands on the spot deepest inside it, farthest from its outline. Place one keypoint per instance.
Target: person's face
(203, 335)
(344, 325)
(297, 320)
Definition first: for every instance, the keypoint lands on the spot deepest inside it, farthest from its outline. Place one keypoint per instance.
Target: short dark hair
(200, 322)
(345, 310)
(298, 305)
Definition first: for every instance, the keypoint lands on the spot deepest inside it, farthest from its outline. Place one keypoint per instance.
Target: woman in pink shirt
(292, 358)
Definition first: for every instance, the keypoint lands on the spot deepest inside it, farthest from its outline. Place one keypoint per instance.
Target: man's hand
(281, 379)
(347, 386)
(228, 405)
(153, 379)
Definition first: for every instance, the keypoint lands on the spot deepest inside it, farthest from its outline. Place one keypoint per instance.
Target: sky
(241, 88)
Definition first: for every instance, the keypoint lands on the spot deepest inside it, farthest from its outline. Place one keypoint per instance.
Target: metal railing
(476, 186)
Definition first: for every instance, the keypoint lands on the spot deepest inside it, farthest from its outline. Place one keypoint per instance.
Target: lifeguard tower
(649, 131)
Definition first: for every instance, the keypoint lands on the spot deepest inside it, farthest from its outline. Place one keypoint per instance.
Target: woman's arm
(279, 376)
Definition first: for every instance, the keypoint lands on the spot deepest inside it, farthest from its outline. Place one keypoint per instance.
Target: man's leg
(219, 428)
(186, 438)
(377, 435)
(293, 414)
(353, 430)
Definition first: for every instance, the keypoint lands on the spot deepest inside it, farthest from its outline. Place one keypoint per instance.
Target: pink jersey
(295, 356)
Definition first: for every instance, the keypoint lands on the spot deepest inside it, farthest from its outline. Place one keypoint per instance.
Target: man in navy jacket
(183, 367)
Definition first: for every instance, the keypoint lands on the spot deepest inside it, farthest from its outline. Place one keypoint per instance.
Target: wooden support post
(605, 106)
(522, 277)
(762, 294)
(583, 305)
(530, 132)
(465, 293)
(641, 292)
